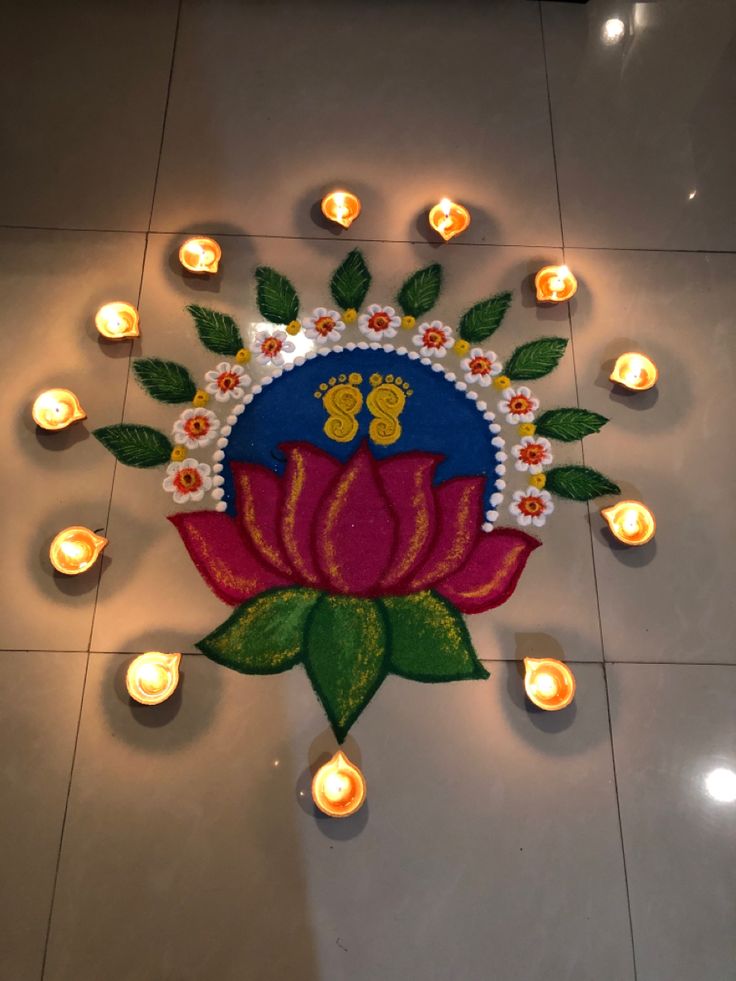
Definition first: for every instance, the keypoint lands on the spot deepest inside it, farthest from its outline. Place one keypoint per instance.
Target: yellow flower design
(201, 398)
(179, 453)
(293, 328)
(243, 356)
(503, 381)
(408, 322)
(538, 480)
(527, 429)
(461, 348)
(350, 315)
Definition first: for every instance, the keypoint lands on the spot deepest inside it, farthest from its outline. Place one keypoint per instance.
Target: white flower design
(271, 347)
(187, 480)
(518, 405)
(531, 506)
(434, 340)
(480, 367)
(532, 453)
(226, 381)
(196, 427)
(323, 325)
(379, 323)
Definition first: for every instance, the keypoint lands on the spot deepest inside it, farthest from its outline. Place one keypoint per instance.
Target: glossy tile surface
(154, 577)
(669, 600)
(189, 822)
(40, 697)
(579, 846)
(644, 144)
(675, 736)
(52, 283)
(272, 105)
(84, 96)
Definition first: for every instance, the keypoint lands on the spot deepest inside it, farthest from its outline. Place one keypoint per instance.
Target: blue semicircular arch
(436, 418)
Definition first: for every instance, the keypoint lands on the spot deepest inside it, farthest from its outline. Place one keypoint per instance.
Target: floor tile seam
(620, 821)
(490, 660)
(72, 763)
(594, 567)
(115, 461)
(542, 247)
(165, 116)
(91, 229)
(551, 126)
(109, 509)
(138, 296)
(590, 523)
(548, 247)
(569, 321)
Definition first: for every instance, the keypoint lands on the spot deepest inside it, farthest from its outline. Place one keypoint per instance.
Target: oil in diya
(635, 371)
(338, 787)
(449, 219)
(200, 255)
(631, 522)
(549, 684)
(76, 549)
(152, 677)
(57, 408)
(555, 284)
(117, 321)
(342, 207)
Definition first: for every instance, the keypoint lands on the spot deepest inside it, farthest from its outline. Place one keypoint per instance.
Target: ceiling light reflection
(720, 784)
(613, 30)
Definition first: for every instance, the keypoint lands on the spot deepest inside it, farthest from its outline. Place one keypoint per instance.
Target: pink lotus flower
(366, 528)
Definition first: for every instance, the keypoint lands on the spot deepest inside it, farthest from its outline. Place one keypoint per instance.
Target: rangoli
(358, 490)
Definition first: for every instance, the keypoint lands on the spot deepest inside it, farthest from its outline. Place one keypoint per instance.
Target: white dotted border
(497, 441)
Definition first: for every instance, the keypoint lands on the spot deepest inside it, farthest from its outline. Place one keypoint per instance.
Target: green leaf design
(264, 635)
(165, 381)
(135, 446)
(535, 359)
(579, 483)
(420, 291)
(217, 331)
(480, 321)
(345, 656)
(568, 425)
(428, 639)
(277, 299)
(350, 281)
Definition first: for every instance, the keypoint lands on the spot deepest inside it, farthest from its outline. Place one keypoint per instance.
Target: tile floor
(180, 844)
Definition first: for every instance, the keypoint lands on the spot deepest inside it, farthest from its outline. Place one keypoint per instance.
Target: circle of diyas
(497, 440)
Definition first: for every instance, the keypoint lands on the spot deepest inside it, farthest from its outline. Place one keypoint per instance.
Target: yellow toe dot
(538, 480)
(527, 429)
(293, 328)
(355, 378)
(408, 322)
(502, 381)
(243, 356)
(461, 347)
(178, 454)
(201, 398)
